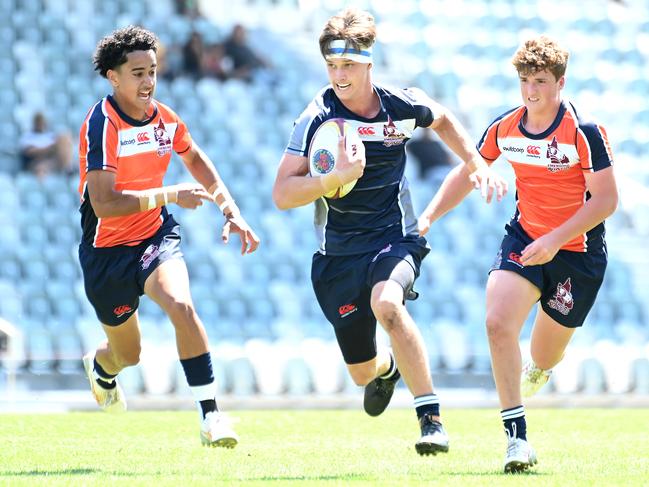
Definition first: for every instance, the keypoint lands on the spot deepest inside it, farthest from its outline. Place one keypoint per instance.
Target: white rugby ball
(323, 151)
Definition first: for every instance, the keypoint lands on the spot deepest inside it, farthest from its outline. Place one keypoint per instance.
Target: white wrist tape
(151, 202)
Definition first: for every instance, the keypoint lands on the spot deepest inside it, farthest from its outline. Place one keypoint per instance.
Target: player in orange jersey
(554, 252)
(131, 243)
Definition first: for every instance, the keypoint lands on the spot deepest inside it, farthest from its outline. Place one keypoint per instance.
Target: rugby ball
(323, 151)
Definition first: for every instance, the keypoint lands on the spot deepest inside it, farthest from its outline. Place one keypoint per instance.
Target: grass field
(576, 447)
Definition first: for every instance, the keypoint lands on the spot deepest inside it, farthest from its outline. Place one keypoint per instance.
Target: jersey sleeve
(425, 108)
(182, 139)
(593, 147)
(102, 142)
(303, 130)
(488, 145)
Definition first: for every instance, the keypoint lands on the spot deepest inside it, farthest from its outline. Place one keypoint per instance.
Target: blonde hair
(539, 54)
(355, 27)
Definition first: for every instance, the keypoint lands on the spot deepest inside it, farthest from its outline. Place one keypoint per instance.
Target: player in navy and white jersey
(370, 243)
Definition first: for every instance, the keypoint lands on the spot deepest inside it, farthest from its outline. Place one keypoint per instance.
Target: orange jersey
(549, 167)
(138, 152)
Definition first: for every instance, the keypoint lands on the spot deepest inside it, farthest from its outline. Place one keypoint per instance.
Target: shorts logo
(562, 300)
(515, 258)
(558, 160)
(382, 251)
(149, 255)
(346, 310)
(122, 310)
(497, 261)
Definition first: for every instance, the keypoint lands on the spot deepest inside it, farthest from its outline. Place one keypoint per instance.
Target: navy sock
(514, 422)
(427, 404)
(105, 380)
(200, 377)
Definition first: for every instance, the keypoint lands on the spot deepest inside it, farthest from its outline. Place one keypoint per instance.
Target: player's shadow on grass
(499, 473)
(52, 473)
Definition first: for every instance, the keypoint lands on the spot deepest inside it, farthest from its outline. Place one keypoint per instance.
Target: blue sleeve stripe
(96, 135)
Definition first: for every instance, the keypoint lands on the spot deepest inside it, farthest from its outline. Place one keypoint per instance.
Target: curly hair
(111, 51)
(541, 53)
(356, 27)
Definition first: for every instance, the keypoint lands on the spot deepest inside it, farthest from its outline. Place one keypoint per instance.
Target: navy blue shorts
(343, 287)
(114, 277)
(568, 283)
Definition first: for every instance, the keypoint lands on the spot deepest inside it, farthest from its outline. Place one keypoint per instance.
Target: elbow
(613, 203)
(281, 202)
(100, 211)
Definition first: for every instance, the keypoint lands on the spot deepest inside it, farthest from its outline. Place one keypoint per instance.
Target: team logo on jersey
(391, 134)
(149, 255)
(558, 160)
(323, 161)
(384, 250)
(162, 138)
(562, 300)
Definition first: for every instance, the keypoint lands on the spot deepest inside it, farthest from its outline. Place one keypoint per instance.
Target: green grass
(575, 447)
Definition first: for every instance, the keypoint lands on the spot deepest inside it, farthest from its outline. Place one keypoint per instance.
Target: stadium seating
(267, 332)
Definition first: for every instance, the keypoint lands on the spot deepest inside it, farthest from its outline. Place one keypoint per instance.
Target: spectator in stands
(214, 63)
(131, 243)
(429, 152)
(244, 59)
(554, 252)
(193, 53)
(370, 252)
(43, 151)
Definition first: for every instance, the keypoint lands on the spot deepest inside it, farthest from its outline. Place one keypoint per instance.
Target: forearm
(456, 138)
(455, 187)
(296, 191)
(594, 211)
(128, 202)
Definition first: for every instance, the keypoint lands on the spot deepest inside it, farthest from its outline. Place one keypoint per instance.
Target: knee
(180, 312)
(497, 328)
(387, 312)
(363, 376)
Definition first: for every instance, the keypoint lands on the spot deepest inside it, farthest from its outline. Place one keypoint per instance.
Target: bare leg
(510, 298)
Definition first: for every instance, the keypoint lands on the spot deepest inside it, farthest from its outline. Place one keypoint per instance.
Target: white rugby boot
(216, 430)
(110, 400)
(520, 455)
(533, 378)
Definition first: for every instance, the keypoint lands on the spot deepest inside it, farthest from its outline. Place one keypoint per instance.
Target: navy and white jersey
(379, 208)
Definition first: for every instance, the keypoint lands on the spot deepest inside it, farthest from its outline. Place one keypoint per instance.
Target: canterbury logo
(346, 310)
(143, 137)
(366, 131)
(534, 150)
(122, 310)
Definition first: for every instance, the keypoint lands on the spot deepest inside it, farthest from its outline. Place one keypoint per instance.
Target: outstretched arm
(201, 167)
(473, 174)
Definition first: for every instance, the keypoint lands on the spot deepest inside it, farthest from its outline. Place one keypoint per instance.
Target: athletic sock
(200, 377)
(427, 404)
(514, 422)
(103, 378)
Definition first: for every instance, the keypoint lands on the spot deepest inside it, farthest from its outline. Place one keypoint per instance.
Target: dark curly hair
(111, 51)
